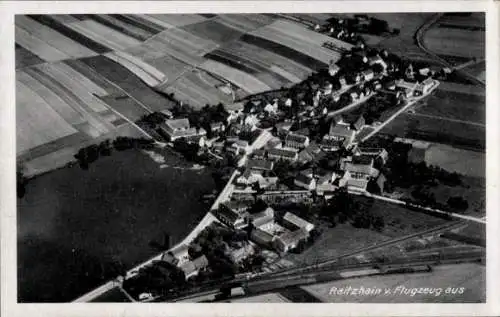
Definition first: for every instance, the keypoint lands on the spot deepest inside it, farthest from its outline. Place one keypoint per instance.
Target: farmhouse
(232, 218)
(296, 141)
(179, 128)
(192, 268)
(310, 153)
(377, 153)
(177, 255)
(263, 219)
(242, 253)
(261, 237)
(359, 123)
(341, 133)
(288, 195)
(295, 222)
(377, 60)
(216, 127)
(249, 177)
(407, 87)
(425, 87)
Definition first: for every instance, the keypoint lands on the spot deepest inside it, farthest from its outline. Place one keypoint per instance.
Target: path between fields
(400, 202)
(447, 119)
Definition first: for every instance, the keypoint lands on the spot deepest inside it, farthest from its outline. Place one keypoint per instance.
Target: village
(290, 147)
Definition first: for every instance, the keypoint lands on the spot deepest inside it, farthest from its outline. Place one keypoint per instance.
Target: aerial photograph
(251, 158)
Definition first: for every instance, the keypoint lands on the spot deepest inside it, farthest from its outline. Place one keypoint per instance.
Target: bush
(458, 203)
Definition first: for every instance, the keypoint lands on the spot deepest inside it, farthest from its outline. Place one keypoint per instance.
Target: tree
(377, 68)
(458, 203)
(21, 182)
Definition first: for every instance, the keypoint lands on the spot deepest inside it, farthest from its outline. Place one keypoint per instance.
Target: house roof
(362, 160)
(260, 164)
(200, 262)
(363, 169)
(283, 152)
(178, 123)
(236, 205)
(360, 122)
(290, 237)
(259, 152)
(296, 220)
(359, 183)
(179, 250)
(367, 72)
(299, 138)
(238, 106)
(262, 235)
(228, 213)
(305, 179)
(341, 130)
(188, 268)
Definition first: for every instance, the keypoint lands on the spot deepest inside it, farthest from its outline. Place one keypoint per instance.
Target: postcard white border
(9, 304)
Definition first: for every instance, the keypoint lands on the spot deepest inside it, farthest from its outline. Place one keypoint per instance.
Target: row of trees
(91, 153)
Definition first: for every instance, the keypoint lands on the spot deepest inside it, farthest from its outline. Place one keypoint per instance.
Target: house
(325, 184)
(232, 218)
(359, 123)
(327, 89)
(259, 154)
(178, 128)
(289, 240)
(377, 153)
(251, 122)
(237, 206)
(353, 96)
(310, 153)
(167, 113)
(425, 87)
(296, 141)
(263, 219)
(333, 69)
(377, 60)
(282, 154)
(288, 102)
(241, 146)
(342, 81)
(361, 166)
(329, 144)
(271, 197)
(271, 108)
(368, 74)
(408, 87)
(261, 237)
(342, 133)
(200, 262)
(262, 165)
(291, 220)
(189, 269)
(305, 180)
(216, 127)
(249, 177)
(177, 255)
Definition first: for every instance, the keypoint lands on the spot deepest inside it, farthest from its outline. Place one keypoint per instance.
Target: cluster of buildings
(266, 231)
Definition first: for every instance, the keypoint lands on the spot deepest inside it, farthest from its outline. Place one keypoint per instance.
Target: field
(457, 37)
(470, 276)
(88, 222)
(457, 134)
(457, 160)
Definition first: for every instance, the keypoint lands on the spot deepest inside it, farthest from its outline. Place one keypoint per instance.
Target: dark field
(456, 105)
(75, 227)
(214, 31)
(290, 53)
(459, 135)
(129, 82)
(25, 58)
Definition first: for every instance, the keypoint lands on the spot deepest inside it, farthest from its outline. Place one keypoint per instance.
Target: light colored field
(104, 35)
(182, 45)
(64, 18)
(37, 46)
(291, 77)
(302, 33)
(470, 276)
(146, 76)
(320, 53)
(264, 298)
(239, 78)
(173, 20)
(244, 22)
(456, 160)
(89, 85)
(269, 58)
(455, 42)
(36, 122)
(53, 38)
(59, 105)
(93, 103)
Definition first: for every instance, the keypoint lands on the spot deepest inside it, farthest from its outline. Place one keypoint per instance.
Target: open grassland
(213, 30)
(473, 190)
(462, 89)
(478, 70)
(25, 58)
(472, 277)
(474, 20)
(147, 73)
